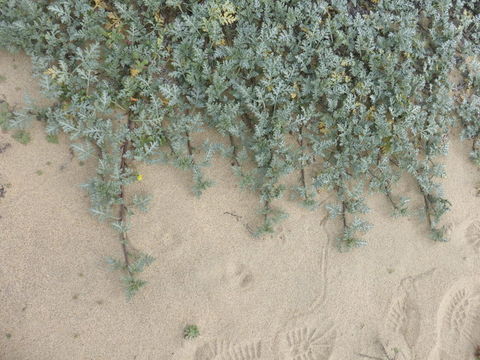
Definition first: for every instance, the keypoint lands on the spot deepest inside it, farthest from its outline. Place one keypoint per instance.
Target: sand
(291, 295)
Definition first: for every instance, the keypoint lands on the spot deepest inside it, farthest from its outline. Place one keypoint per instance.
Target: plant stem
(427, 209)
(302, 170)
(388, 193)
(232, 143)
(189, 144)
(123, 208)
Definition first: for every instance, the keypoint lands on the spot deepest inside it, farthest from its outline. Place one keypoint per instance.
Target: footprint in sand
(303, 335)
(225, 350)
(458, 322)
(307, 335)
(472, 235)
(239, 276)
(308, 343)
(402, 322)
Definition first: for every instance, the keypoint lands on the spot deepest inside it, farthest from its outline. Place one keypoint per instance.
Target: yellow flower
(52, 72)
(134, 72)
(293, 95)
(221, 42)
(334, 75)
(139, 177)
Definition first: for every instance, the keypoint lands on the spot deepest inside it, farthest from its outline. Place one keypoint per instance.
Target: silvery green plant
(343, 96)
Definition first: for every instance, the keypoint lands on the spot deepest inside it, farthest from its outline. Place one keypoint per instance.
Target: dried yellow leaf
(322, 128)
(99, 4)
(165, 101)
(159, 19)
(228, 14)
(115, 21)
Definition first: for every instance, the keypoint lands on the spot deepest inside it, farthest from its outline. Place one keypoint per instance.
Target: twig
(237, 217)
(369, 357)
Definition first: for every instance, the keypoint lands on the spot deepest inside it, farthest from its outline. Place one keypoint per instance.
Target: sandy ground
(287, 296)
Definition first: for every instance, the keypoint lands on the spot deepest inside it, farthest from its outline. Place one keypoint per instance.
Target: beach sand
(291, 295)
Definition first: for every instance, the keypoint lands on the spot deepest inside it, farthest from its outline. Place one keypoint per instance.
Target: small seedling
(22, 137)
(8, 335)
(39, 172)
(190, 332)
(53, 139)
(2, 78)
